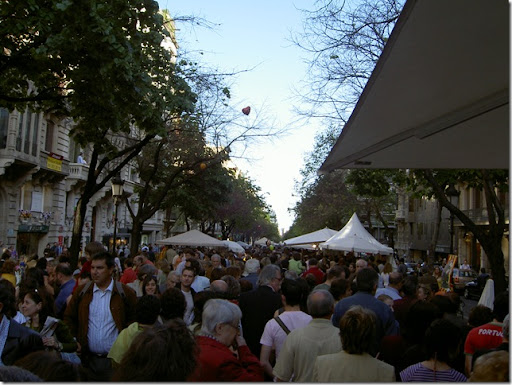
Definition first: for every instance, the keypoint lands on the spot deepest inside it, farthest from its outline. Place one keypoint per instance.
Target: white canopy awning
(354, 237)
(192, 238)
(310, 238)
(234, 246)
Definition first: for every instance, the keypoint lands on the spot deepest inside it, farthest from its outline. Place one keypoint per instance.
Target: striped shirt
(420, 373)
(102, 331)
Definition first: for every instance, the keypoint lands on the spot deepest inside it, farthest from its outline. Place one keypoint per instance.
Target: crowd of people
(268, 314)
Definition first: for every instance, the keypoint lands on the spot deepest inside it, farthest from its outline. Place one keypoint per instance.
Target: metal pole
(115, 226)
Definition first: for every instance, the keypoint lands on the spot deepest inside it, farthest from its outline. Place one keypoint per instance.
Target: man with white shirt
(200, 281)
(187, 277)
(97, 313)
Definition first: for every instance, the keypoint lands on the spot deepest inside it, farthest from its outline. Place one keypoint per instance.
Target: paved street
(468, 305)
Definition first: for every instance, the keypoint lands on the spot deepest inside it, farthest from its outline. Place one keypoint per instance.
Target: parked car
(411, 267)
(474, 289)
(461, 277)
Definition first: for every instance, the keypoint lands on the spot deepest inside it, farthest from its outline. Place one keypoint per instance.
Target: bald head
(219, 286)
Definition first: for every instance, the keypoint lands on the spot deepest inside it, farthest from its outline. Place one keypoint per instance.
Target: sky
(257, 35)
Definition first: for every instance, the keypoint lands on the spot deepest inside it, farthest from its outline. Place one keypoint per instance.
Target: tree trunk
(136, 236)
(78, 223)
(435, 236)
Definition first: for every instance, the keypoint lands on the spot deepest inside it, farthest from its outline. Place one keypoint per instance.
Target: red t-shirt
(487, 336)
(128, 276)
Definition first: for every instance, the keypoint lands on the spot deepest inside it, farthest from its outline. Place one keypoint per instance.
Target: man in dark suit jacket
(258, 306)
(19, 340)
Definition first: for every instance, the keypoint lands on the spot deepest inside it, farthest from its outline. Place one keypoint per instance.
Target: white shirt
(200, 283)
(102, 330)
(189, 311)
(274, 335)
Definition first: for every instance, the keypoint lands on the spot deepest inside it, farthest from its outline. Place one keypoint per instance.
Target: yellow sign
(54, 162)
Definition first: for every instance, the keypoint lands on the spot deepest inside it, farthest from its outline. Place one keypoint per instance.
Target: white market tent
(192, 238)
(234, 246)
(262, 241)
(309, 239)
(243, 244)
(354, 237)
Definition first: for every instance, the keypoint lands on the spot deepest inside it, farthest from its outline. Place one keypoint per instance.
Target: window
(50, 128)
(19, 136)
(4, 127)
(37, 201)
(35, 134)
(26, 145)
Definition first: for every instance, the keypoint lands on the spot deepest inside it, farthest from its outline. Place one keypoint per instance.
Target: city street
(468, 305)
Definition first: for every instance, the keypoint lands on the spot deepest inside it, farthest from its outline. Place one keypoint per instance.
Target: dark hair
(444, 304)
(479, 316)
(217, 273)
(8, 267)
(334, 272)
(104, 256)
(358, 330)
(292, 291)
(233, 287)
(366, 279)
(82, 260)
(194, 263)
(173, 303)
(189, 269)
(419, 317)
(48, 366)
(410, 285)
(147, 309)
(200, 300)
(296, 255)
(41, 263)
(161, 353)
(93, 248)
(245, 285)
(339, 287)
(313, 262)
(234, 271)
(501, 305)
(148, 279)
(7, 298)
(64, 269)
(128, 262)
(442, 340)
(37, 297)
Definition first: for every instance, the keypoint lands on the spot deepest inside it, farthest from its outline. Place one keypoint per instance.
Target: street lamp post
(117, 193)
(453, 196)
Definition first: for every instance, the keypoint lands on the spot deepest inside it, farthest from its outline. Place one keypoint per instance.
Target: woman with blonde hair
(388, 268)
(353, 363)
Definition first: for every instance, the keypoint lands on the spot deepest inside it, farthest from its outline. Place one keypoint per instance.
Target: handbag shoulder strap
(281, 323)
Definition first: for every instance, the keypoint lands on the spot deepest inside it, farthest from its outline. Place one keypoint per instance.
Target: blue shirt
(65, 291)
(386, 324)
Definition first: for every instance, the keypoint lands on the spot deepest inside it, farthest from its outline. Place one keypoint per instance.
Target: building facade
(40, 184)
(418, 220)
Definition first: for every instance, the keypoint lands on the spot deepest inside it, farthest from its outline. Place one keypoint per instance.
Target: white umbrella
(191, 238)
(233, 246)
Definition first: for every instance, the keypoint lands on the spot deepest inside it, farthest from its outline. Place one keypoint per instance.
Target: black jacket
(21, 341)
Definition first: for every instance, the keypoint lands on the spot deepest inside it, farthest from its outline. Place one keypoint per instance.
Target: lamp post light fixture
(453, 195)
(117, 193)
